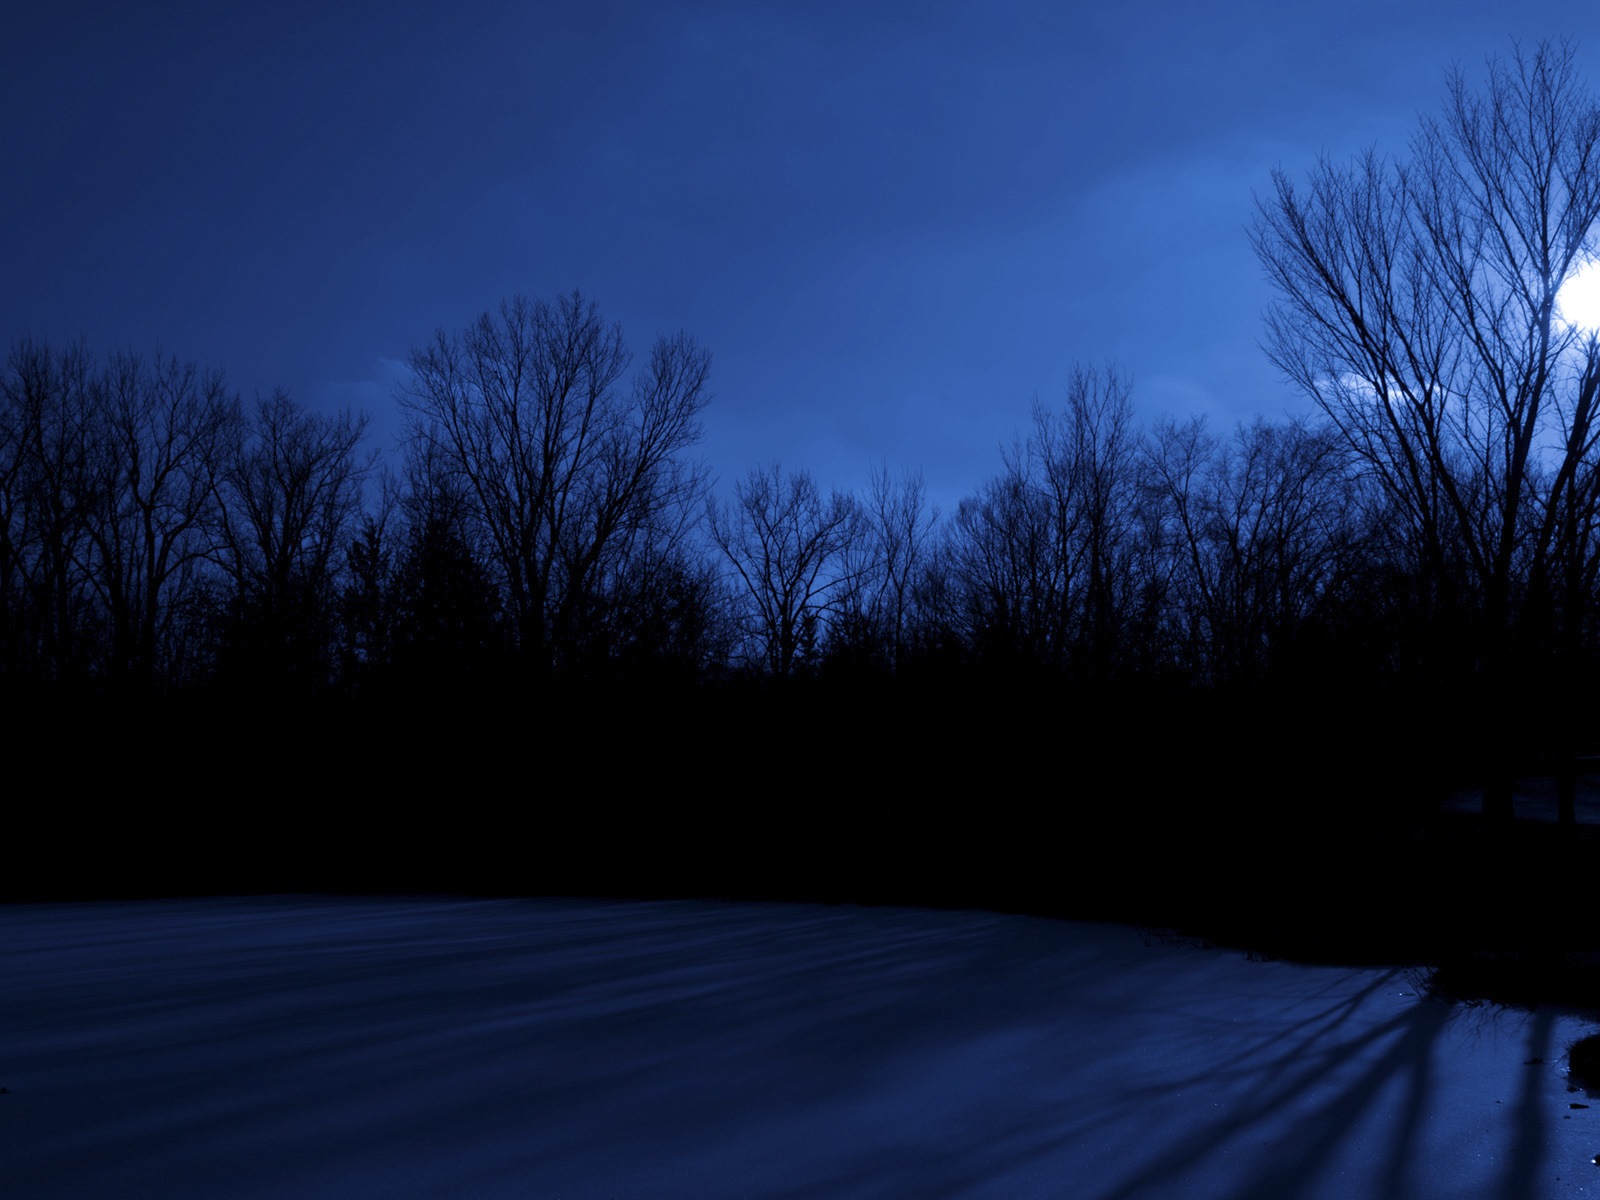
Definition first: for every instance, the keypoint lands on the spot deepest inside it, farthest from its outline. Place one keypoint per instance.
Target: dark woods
(545, 532)
(536, 649)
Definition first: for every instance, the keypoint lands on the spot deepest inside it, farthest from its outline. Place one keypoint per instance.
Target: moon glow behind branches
(1579, 298)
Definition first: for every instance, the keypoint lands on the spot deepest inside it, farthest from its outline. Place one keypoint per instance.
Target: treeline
(545, 529)
(1130, 655)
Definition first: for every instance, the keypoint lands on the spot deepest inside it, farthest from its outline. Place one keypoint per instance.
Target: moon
(1578, 301)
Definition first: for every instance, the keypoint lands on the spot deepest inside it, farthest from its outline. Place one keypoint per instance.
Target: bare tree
(45, 489)
(1008, 582)
(290, 500)
(1089, 459)
(1259, 528)
(901, 527)
(1418, 307)
(790, 549)
(565, 463)
(1045, 553)
(157, 443)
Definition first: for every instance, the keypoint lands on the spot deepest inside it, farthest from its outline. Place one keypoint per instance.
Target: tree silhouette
(1417, 306)
(45, 489)
(788, 547)
(158, 436)
(290, 501)
(1046, 557)
(1261, 528)
(563, 461)
(898, 539)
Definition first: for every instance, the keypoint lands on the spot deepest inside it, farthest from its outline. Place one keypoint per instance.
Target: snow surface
(301, 1047)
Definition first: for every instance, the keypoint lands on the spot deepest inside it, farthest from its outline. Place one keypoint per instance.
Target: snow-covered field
(298, 1047)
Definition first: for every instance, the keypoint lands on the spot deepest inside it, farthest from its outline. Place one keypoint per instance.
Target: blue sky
(892, 225)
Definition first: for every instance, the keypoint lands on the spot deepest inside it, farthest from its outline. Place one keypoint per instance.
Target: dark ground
(1254, 825)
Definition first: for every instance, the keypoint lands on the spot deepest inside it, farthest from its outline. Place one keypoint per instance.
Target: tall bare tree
(1008, 585)
(158, 440)
(1089, 454)
(1418, 306)
(290, 500)
(791, 550)
(1260, 530)
(1045, 553)
(900, 529)
(565, 458)
(46, 487)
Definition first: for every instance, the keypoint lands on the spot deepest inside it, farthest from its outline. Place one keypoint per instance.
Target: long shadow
(1294, 1166)
(1291, 1167)
(542, 1041)
(1300, 1054)
(1314, 1028)
(1530, 1141)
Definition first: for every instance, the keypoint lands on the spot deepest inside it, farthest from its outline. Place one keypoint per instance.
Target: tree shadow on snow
(1347, 1076)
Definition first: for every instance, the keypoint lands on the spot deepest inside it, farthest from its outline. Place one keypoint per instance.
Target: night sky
(893, 226)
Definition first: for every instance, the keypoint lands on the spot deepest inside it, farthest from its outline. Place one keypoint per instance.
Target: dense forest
(535, 648)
